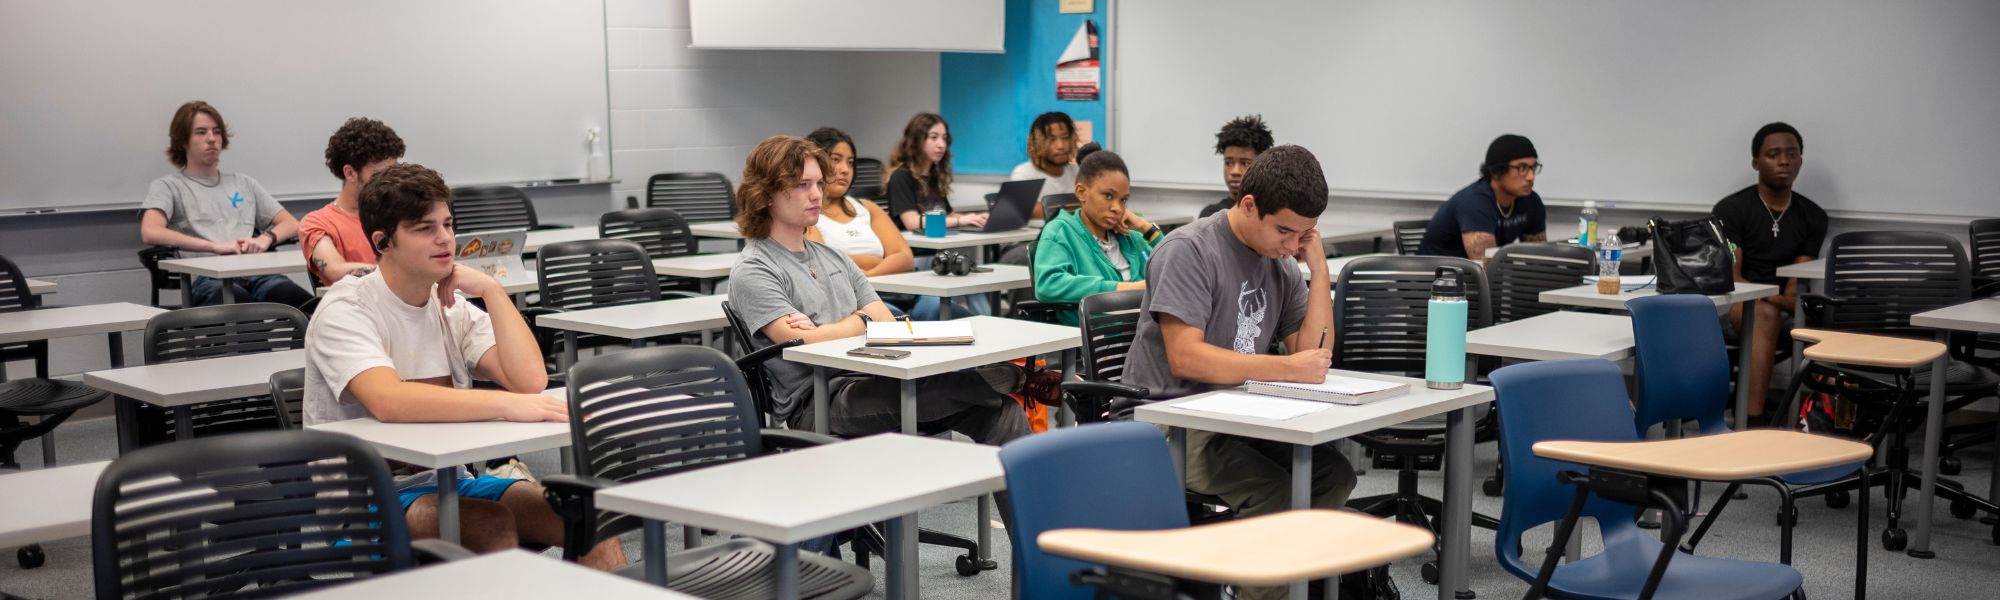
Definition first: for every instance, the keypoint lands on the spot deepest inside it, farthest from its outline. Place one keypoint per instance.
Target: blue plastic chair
(1585, 400)
(1683, 372)
(1104, 476)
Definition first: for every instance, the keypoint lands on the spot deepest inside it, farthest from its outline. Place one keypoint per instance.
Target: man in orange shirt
(334, 244)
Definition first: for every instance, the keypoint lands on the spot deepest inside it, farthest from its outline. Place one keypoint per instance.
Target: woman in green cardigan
(1098, 247)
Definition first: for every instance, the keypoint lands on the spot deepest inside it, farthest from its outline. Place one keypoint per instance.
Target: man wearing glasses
(1501, 208)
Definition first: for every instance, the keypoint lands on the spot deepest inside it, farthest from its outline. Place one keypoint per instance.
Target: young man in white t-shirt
(402, 344)
(1052, 141)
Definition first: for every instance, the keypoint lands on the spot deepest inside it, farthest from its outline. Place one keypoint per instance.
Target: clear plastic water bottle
(1608, 255)
(1586, 226)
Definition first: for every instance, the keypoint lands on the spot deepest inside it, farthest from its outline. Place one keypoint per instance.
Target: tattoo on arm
(1535, 237)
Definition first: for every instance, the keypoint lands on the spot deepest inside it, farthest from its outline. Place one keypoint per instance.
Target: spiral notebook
(920, 333)
(1336, 389)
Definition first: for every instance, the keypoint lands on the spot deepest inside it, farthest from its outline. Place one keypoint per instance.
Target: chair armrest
(793, 439)
(430, 551)
(574, 499)
(763, 354)
(1036, 310)
(1819, 306)
(1104, 389)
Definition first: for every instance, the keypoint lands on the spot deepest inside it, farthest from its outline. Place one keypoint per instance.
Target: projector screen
(935, 25)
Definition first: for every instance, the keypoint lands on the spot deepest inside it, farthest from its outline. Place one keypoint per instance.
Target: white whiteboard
(1643, 103)
(484, 91)
(929, 25)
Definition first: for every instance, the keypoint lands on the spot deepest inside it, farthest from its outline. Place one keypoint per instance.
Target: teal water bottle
(1444, 332)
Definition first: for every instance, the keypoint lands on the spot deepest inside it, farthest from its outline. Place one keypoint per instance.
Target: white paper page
(1338, 384)
(1251, 405)
(899, 330)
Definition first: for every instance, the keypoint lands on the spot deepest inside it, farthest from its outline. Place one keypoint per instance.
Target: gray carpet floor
(1967, 563)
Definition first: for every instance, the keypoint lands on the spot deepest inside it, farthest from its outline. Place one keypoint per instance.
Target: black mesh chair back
(868, 182)
(14, 296)
(1878, 279)
(288, 397)
(1380, 307)
(212, 332)
(1985, 238)
(249, 516)
(491, 208)
(699, 197)
(758, 379)
(661, 231)
(1054, 204)
(161, 280)
(1409, 235)
(1110, 323)
(595, 274)
(657, 411)
(1521, 272)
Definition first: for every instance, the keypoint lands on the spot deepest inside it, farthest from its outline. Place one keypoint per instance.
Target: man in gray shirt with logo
(1219, 293)
(203, 211)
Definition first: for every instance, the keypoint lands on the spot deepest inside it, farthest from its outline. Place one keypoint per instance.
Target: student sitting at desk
(331, 236)
(1051, 157)
(1497, 210)
(860, 229)
(920, 181)
(1099, 247)
(1219, 293)
(401, 345)
(787, 287)
(1239, 142)
(203, 211)
(1771, 225)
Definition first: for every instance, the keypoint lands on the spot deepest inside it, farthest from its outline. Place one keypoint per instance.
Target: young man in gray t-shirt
(203, 211)
(1219, 293)
(786, 287)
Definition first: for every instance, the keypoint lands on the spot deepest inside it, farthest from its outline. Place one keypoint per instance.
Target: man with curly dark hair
(331, 237)
(1239, 143)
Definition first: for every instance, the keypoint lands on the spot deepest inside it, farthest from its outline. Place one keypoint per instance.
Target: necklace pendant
(1774, 229)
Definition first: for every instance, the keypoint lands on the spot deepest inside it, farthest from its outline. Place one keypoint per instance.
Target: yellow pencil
(906, 323)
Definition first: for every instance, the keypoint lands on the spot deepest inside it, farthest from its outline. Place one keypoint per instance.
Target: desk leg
(1743, 364)
(1920, 544)
(985, 530)
(903, 557)
(228, 294)
(819, 400)
(1799, 322)
(788, 571)
(184, 422)
(909, 406)
(447, 503)
(654, 551)
(1457, 529)
(1177, 448)
(1302, 467)
(187, 291)
(116, 340)
(568, 358)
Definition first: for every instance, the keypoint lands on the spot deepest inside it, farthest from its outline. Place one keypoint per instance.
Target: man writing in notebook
(203, 211)
(402, 345)
(1219, 293)
(331, 236)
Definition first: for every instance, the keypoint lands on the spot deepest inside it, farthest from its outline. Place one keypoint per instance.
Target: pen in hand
(1322, 339)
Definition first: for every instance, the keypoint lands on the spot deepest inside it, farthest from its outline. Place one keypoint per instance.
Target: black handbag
(1691, 257)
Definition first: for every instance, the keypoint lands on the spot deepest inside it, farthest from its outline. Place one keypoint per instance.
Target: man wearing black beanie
(1499, 209)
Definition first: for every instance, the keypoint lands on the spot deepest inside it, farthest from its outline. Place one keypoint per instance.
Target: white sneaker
(512, 470)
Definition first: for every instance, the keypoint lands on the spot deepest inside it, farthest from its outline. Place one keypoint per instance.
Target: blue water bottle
(1444, 343)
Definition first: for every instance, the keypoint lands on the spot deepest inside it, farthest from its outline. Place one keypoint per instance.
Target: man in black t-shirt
(1239, 143)
(1771, 226)
(1499, 209)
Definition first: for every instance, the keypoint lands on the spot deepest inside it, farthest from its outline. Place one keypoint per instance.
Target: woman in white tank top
(857, 228)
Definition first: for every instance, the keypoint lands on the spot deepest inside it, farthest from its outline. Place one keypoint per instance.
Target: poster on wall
(1077, 71)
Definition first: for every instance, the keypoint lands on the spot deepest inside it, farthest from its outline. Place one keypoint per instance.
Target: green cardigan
(1070, 265)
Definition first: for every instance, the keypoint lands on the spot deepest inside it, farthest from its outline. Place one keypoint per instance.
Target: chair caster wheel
(30, 556)
(969, 565)
(1963, 510)
(1894, 540)
(1837, 500)
(1493, 486)
(1950, 465)
(1430, 572)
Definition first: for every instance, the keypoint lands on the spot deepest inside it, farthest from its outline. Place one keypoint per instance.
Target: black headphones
(951, 262)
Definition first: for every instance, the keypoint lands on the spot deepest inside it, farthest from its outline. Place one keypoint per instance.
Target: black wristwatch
(274, 238)
(865, 319)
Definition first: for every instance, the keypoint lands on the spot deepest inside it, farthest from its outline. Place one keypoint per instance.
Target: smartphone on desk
(882, 353)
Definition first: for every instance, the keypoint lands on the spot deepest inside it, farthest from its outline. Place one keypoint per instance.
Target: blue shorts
(477, 488)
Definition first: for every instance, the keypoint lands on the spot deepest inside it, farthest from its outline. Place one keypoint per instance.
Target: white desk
(1978, 316)
(1335, 264)
(510, 574)
(445, 446)
(1340, 421)
(1745, 293)
(725, 230)
(180, 386)
(1354, 230)
(68, 321)
(37, 287)
(925, 283)
(47, 504)
(1168, 221)
(231, 266)
(703, 267)
(1556, 336)
(998, 340)
(543, 237)
(789, 498)
(637, 321)
(970, 239)
(1814, 269)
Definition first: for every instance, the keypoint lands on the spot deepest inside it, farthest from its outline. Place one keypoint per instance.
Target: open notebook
(1337, 389)
(920, 333)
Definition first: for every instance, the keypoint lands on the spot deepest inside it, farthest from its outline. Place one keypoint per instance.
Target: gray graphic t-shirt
(1207, 278)
(222, 209)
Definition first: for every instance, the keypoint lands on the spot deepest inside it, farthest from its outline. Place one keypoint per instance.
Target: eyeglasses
(1525, 169)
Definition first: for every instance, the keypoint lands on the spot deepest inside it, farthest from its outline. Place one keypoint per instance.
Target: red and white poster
(1077, 70)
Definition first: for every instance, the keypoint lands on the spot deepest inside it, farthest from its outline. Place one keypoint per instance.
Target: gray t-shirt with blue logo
(226, 208)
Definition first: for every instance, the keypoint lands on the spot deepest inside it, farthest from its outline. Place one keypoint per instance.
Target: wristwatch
(865, 319)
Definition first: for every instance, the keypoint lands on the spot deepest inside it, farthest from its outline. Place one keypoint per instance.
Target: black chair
(1054, 204)
(250, 516)
(661, 231)
(1109, 325)
(1875, 280)
(1521, 272)
(1409, 235)
(698, 197)
(288, 397)
(659, 411)
(150, 258)
(210, 332)
(33, 407)
(1380, 307)
(493, 208)
(1022, 303)
(596, 274)
(868, 182)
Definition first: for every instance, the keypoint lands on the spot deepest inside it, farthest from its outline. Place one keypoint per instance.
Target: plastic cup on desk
(934, 223)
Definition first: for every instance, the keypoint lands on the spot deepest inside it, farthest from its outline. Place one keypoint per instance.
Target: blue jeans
(933, 308)
(262, 288)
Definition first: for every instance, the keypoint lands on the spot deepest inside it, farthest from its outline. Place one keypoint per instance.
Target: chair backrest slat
(1521, 272)
(1884, 277)
(698, 197)
(1409, 235)
(491, 208)
(1381, 305)
(595, 274)
(1110, 325)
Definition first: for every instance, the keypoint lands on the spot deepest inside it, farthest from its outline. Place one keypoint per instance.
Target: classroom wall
(679, 109)
(990, 99)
